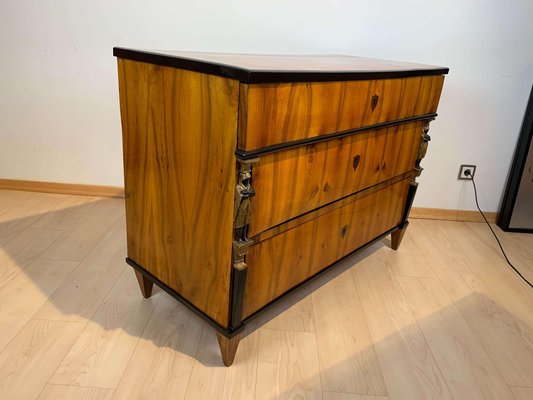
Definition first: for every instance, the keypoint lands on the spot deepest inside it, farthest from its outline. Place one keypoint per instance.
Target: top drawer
(271, 114)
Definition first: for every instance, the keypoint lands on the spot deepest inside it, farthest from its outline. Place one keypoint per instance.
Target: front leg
(228, 347)
(145, 284)
(397, 236)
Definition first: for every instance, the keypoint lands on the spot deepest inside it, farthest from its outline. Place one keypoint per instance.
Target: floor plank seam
(141, 336)
(500, 264)
(316, 349)
(385, 396)
(424, 336)
(80, 264)
(356, 286)
(256, 332)
(195, 356)
(461, 312)
(521, 387)
(505, 268)
(285, 330)
(491, 338)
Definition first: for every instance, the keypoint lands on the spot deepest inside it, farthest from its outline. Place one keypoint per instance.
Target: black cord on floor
(494, 233)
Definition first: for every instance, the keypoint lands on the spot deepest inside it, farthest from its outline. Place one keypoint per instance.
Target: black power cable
(467, 173)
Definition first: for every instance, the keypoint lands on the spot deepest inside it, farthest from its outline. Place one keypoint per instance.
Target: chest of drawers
(247, 175)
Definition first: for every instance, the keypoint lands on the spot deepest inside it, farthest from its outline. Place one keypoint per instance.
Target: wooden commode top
(265, 68)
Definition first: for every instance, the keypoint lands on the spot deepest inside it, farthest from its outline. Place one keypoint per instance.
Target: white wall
(59, 113)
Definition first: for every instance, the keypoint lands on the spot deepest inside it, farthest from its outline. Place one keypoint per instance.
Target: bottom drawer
(279, 263)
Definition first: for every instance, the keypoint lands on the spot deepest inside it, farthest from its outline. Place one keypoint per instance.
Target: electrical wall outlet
(463, 176)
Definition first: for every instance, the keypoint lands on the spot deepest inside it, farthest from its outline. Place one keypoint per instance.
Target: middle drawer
(291, 182)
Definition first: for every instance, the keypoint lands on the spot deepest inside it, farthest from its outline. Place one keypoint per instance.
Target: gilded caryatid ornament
(242, 210)
(243, 199)
(241, 243)
(422, 149)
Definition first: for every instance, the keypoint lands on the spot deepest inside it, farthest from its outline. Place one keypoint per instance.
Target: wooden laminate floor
(442, 318)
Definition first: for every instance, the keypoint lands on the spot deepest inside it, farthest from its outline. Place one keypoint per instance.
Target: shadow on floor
(74, 255)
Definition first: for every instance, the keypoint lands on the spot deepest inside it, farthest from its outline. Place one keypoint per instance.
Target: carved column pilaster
(422, 150)
(244, 192)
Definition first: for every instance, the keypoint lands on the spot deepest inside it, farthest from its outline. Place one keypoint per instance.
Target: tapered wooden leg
(228, 347)
(145, 285)
(396, 238)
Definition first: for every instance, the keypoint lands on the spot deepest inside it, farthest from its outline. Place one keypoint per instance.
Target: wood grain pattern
(292, 182)
(293, 62)
(22, 295)
(288, 366)
(327, 208)
(145, 285)
(32, 357)
(318, 243)
(211, 381)
(298, 317)
(462, 360)
(523, 393)
(11, 198)
(396, 238)
(100, 355)
(179, 142)
(19, 252)
(503, 283)
(170, 362)
(409, 369)
(161, 365)
(24, 213)
(62, 392)
(521, 245)
(68, 213)
(81, 238)
(348, 361)
(351, 396)
(279, 113)
(409, 259)
(180, 133)
(486, 314)
(80, 295)
(228, 347)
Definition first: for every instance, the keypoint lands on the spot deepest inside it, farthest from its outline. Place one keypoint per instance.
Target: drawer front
(292, 182)
(271, 114)
(278, 264)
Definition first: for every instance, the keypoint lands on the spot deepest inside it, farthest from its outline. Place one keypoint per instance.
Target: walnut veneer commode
(248, 175)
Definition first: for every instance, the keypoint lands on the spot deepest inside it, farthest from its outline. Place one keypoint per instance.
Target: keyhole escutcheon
(374, 102)
(355, 161)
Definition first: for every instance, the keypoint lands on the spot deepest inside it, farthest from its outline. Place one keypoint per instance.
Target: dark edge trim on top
(266, 76)
(228, 332)
(211, 68)
(516, 172)
(244, 155)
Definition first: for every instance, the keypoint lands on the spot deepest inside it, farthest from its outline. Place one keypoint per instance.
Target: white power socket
(471, 168)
